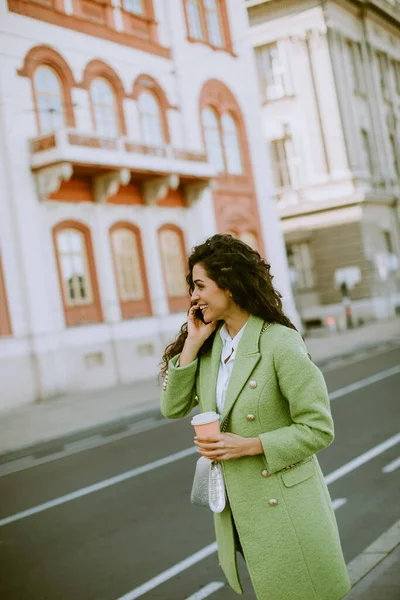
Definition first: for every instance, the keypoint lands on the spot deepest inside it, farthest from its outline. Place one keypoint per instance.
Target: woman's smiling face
(216, 302)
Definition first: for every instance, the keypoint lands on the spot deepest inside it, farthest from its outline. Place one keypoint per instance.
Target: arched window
(231, 145)
(249, 238)
(49, 99)
(130, 271)
(213, 139)
(104, 108)
(74, 267)
(174, 264)
(213, 23)
(150, 120)
(77, 274)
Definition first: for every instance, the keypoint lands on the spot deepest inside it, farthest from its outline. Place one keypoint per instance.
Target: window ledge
(274, 100)
(216, 48)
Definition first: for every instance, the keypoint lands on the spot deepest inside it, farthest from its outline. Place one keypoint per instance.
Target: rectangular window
(195, 25)
(207, 22)
(383, 73)
(271, 72)
(299, 257)
(396, 66)
(367, 154)
(133, 6)
(280, 164)
(388, 242)
(213, 23)
(357, 68)
(395, 153)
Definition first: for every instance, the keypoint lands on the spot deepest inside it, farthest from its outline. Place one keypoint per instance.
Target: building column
(152, 258)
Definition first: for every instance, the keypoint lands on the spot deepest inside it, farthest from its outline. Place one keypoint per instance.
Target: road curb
(106, 427)
(389, 345)
(374, 554)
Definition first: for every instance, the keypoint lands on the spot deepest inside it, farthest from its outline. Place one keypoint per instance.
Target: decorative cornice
(49, 179)
(194, 191)
(156, 189)
(108, 184)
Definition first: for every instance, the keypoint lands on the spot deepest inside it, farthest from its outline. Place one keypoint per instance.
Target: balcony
(109, 163)
(98, 18)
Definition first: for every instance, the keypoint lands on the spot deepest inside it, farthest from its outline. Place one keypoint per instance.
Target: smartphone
(199, 315)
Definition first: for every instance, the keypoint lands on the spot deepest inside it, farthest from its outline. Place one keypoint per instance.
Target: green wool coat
(278, 501)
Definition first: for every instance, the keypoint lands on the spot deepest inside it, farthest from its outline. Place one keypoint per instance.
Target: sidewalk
(82, 414)
(375, 573)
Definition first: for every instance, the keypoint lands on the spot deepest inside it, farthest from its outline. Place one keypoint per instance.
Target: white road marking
(358, 385)
(344, 470)
(145, 425)
(101, 485)
(362, 459)
(207, 591)
(173, 457)
(338, 502)
(169, 573)
(392, 466)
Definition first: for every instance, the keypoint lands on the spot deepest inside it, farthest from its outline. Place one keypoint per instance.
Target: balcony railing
(75, 147)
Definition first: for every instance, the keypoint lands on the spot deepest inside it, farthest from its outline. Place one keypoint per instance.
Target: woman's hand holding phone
(198, 332)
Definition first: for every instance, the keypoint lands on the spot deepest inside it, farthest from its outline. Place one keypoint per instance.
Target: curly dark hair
(236, 267)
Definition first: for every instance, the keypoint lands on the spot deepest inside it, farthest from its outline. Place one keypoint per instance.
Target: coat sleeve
(178, 396)
(303, 386)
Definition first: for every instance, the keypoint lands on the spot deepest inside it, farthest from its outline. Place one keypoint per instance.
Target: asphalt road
(112, 540)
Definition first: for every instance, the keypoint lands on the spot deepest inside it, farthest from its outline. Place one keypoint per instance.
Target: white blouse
(228, 354)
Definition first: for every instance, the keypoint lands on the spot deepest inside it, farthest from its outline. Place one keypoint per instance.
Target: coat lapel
(248, 355)
(209, 374)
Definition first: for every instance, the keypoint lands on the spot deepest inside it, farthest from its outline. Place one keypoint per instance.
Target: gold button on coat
(265, 473)
(273, 502)
(253, 384)
(250, 417)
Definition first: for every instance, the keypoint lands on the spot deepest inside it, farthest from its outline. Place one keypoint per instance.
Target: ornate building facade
(130, 132)
(329, 78)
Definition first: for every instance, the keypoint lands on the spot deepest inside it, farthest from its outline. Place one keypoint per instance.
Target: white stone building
(329, 75)
(129, 132)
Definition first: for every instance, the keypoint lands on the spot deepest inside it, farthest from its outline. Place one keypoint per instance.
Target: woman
(246, 360)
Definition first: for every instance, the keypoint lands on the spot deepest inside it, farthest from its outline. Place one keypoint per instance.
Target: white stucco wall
(49, 358)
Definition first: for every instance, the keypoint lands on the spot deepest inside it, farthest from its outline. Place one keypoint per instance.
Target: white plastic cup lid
(205, 418)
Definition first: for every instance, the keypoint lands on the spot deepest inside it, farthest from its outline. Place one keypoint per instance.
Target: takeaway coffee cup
(206, 423)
